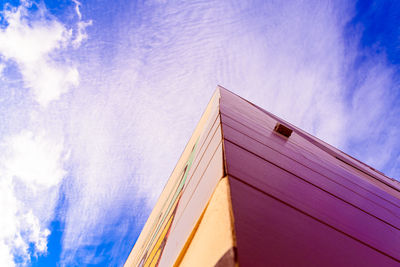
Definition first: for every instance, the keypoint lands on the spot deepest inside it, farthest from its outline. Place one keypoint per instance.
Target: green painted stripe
(179, 189)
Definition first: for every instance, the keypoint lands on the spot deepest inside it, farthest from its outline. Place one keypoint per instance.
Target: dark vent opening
(282, 129)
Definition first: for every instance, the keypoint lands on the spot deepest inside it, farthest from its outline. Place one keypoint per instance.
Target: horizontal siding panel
(240, 109)
(318, 164)
(311, 200)
(270, 233)
(321, 178)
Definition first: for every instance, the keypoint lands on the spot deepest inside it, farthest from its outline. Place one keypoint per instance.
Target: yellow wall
(214, 235)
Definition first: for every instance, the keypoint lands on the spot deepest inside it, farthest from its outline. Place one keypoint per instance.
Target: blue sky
(98, 99)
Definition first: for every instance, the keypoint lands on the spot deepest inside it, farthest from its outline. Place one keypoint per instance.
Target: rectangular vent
(282, 129)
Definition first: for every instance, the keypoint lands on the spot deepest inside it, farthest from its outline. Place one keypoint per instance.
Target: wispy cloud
(157, 67)
(80, 34)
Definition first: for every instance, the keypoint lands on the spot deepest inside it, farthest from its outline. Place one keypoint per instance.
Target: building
(253, 190)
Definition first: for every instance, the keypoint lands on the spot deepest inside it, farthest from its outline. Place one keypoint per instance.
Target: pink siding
(296, 204)
(271, 233)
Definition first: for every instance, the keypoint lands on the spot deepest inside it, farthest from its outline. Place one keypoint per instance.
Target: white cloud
(34, 159)
(31, 43)
(6, 258)
(31, 167)
(33, 154)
